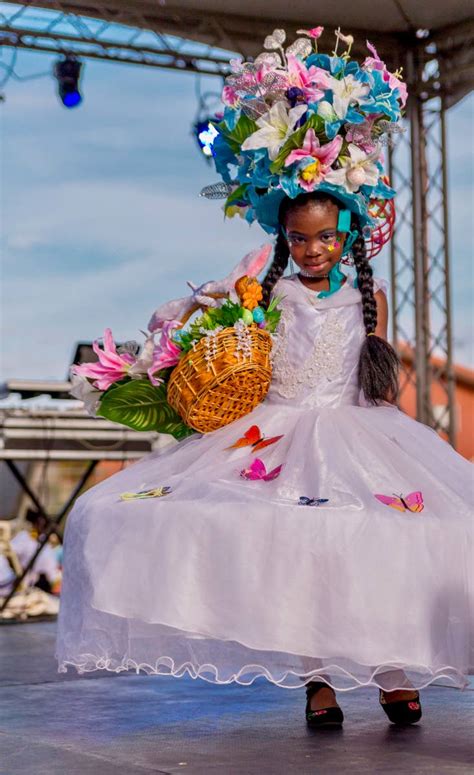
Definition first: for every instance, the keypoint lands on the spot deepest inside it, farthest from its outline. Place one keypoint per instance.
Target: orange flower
(249, 291)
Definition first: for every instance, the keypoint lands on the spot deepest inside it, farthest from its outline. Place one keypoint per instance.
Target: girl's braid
(366, 285)
(378, 361)
(277, 267)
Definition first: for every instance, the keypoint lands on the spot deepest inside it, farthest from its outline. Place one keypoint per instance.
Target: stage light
(67, 73)
(205, 133)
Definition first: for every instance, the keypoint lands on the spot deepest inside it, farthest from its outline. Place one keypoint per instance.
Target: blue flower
(382, 99)
(334, 65)
(231, 117)
(224, 158)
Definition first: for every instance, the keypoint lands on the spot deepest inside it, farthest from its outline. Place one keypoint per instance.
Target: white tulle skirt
(227, 579)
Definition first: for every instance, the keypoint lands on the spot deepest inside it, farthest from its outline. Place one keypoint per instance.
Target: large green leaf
(142, 406)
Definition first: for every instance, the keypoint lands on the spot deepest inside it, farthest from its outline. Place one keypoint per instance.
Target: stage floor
(107, 724)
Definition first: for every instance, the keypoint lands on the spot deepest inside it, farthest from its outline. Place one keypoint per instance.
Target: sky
(101, 217)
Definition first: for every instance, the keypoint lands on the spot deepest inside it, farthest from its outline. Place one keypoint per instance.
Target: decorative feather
(216, 191)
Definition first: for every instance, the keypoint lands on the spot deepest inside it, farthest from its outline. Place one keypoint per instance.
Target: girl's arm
(382, 314)
(382, 325)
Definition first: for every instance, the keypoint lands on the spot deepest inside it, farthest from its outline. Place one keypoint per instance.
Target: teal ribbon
(335, 278)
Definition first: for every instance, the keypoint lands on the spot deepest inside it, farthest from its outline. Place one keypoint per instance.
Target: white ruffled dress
(228, 579)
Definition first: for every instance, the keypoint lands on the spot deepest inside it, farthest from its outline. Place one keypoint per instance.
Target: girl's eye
(297, 239)
(328, 237)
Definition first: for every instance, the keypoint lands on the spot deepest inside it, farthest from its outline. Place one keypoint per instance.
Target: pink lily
(311, 80)
(167, 353)
(323, 157)
(111, 367)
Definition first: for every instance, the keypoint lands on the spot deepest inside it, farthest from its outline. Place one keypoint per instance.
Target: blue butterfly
(304, 501)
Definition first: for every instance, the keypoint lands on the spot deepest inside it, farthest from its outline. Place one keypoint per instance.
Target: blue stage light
(205, 133)
(67, 73)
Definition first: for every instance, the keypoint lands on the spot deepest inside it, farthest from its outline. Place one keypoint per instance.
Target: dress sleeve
(380, 285)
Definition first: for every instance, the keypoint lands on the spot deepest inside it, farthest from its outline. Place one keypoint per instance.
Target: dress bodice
(317, 344)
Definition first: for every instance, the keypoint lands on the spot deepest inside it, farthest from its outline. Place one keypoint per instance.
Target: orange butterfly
(253, 438)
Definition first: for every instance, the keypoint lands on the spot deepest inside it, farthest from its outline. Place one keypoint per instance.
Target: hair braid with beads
(378, 361)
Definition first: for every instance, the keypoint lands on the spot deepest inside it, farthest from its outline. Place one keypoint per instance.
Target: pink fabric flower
(111, 367)
(167, 353)
(230, 96)
(375, 63)
(360, 134)
(314, 33)
(311, 80)
(323, 157)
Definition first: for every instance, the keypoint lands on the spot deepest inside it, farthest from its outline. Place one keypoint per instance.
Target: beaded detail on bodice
(316, 345)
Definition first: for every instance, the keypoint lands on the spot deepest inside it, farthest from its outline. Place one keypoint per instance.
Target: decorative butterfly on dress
(411, 502)
(253, 438)
(257, 470)
(304, 501)
(157, 492)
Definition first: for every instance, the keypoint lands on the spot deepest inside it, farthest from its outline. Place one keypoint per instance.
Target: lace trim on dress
(340, 678)
(324, 362)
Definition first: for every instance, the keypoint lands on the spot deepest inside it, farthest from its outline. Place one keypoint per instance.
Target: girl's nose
(313, 249)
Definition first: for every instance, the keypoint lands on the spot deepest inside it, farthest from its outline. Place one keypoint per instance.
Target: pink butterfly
(411, 502)
(257, 470)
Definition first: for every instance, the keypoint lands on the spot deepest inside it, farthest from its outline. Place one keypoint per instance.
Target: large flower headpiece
(297, 121)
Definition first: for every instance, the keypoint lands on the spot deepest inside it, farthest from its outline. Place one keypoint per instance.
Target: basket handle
(197, 306)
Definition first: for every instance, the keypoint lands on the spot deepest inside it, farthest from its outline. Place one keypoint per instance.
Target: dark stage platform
(107, 724)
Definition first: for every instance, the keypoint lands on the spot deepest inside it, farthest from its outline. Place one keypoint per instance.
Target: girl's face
(314, 242)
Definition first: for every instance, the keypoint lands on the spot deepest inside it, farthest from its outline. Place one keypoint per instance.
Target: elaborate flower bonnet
(297, 121)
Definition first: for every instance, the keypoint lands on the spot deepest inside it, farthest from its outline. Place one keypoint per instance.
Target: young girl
(351, 567)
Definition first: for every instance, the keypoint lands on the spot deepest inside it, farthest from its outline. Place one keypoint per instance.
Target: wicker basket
(210, 392)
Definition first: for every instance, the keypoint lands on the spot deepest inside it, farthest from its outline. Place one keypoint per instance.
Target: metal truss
(56, 30)
(420, 259)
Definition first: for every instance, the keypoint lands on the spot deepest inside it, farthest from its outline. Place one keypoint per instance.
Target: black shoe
(325, 717)
(403, 712)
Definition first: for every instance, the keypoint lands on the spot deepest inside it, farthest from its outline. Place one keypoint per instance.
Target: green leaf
(237, 195)
(296, 140)
(144, 407)
(243, 129)
(274, 301)
(272, 319)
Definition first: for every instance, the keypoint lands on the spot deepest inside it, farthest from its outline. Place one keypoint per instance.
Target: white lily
(357, 170)
(275, 128)
(82, 389)
(347, 91)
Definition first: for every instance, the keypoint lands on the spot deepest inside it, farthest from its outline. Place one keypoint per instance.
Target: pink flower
(311, 80)
(111, 366)
(323, 157)
(167, 353)
(360, 134)
(314, 33)
(230, 96)
(375, 63)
